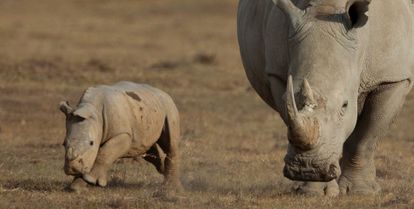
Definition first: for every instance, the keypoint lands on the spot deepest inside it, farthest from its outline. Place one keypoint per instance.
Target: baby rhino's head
(83, 137)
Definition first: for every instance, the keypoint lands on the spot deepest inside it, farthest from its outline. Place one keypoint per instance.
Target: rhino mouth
(302, 167)
(71, 171)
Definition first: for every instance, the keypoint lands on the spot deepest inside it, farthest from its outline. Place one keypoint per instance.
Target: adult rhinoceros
(338, 72)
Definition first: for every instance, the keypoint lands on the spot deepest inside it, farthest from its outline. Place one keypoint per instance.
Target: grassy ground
(233, 144)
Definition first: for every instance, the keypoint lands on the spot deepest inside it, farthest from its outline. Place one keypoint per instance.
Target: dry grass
(232, 146)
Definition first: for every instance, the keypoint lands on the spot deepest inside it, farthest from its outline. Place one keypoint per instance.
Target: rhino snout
(74, 167)
(311, 170)
(71, 154)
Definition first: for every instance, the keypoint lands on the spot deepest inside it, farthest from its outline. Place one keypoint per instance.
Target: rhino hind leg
(380, 108)
(168, 142)
(153, 155)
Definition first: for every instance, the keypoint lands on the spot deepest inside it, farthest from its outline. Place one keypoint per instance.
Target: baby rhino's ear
(85, 111)
(65, 107)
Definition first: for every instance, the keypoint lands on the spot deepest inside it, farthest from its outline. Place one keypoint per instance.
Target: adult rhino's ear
(85, 111)
(65, 107)
(357, 10)
(291, 10)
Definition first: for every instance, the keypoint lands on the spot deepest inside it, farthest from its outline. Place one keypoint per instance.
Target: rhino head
(83, 137)
(322, 89)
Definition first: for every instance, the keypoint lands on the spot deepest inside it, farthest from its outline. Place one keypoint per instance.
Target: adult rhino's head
(322, 89)
(83, 137)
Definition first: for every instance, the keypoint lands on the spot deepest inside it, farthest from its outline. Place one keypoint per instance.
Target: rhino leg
(168, 142)
(380, 108)
(112, 150)
(78, 185)
(153, 155)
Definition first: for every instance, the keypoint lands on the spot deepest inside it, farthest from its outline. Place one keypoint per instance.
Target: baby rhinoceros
(125, 120)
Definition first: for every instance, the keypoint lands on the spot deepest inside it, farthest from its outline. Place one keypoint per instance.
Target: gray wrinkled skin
(124, 120)
(338, 73)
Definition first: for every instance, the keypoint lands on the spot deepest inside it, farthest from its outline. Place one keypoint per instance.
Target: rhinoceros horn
(291, 10)
(304, 129)
(307, 93)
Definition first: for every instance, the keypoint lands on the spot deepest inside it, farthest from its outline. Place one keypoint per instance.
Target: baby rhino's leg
(78, 185)
(112, 150)
(153, 155)
(169, 144)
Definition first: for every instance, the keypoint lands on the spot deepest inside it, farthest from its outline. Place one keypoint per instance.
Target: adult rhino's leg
(168, 142)
(380, 108)
(112, 150)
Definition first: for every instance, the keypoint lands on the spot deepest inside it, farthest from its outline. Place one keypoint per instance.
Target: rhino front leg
(380, 108)
(112, 150)
(78, 185)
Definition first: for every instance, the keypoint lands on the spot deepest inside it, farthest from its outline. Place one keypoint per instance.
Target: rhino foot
(166, 195)
(170, 191)
(99, 179)
(169, 194)
(329, 189)
(358, 186)
(78, 185)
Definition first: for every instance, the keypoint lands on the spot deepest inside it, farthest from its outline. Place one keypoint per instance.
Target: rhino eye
(344, 107)
(91, 143)
(76, 118)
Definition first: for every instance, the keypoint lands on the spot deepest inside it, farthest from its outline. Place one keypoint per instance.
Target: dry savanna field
(232, 144)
